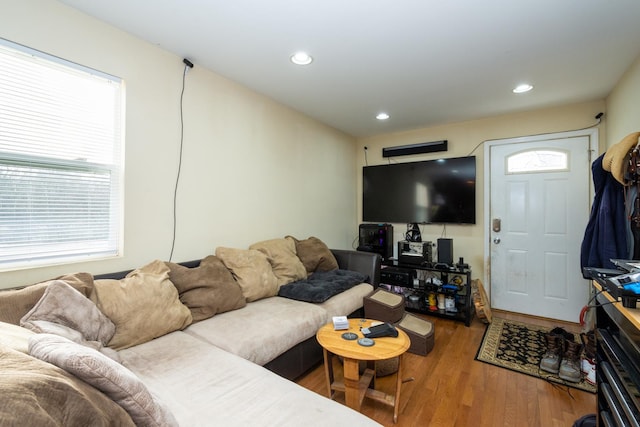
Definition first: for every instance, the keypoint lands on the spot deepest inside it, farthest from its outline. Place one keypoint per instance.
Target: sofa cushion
(322, 285)
(252, 271)
(144, 305)
(113, 379)
(35, 393)
(15, 303)
(281, 254)
(314, 254)
(207, 289)
(63, 305)
(15, 337)
(347, 302)
(262, 330)
(206, 386)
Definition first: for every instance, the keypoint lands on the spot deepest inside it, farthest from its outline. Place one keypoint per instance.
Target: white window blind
(60, 160)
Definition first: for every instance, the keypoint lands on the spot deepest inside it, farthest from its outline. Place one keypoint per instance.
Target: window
(60, 161)
(538, 161)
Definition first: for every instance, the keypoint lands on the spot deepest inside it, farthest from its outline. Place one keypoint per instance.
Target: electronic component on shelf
(623, 284)
(422, 286)
(445, 252)
(377, 238)
(625, 287)
(419, 253)
(397, 276)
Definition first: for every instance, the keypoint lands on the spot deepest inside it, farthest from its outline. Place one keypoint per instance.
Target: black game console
(379, 331)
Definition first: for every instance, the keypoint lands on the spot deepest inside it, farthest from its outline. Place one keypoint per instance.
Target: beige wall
(623, 105)
(252, 168)
(464, 137)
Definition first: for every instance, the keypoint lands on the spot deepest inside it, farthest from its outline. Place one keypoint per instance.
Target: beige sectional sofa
(192, 344)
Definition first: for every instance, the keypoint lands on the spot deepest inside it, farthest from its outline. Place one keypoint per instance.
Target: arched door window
(530, 161)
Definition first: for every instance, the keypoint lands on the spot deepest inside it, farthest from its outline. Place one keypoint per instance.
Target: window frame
(109, 169)
(565, 153)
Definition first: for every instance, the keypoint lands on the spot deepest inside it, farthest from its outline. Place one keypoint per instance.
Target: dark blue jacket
(606, 234)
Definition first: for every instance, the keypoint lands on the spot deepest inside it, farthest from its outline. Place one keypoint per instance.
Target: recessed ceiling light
(525, 87)
(382, 116)
(301, 58)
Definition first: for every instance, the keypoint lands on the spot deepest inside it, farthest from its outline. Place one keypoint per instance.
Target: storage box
(384, 306)
(421, 332)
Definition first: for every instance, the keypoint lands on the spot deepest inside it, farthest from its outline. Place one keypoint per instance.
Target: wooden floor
(450, 388)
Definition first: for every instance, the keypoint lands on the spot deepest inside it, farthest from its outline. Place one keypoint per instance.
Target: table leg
(328, 370)
(352, 383)
(396, 403)
(371, 364)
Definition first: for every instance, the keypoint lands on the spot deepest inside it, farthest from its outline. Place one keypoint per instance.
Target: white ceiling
(425, 62)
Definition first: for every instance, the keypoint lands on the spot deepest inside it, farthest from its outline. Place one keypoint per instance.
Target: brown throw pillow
(315, 254)
(252, 271)
(14, 304)
(144, 305)
(36, 393)
(281, 254)
(207, 289)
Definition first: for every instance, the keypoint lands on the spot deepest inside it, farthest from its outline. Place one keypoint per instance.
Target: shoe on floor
(551, 359)
(570, 369)
(588, 368)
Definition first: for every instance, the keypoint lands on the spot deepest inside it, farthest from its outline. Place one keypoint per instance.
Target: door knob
(496, 240)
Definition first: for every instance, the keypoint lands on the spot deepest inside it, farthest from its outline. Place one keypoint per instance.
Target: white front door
(538, 210)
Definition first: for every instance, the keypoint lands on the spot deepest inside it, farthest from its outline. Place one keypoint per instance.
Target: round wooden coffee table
(356, 387)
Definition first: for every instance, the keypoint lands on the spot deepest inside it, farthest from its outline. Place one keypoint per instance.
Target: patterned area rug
(519, 346)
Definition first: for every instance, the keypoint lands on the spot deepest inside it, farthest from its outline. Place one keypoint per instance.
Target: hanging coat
(605, 237)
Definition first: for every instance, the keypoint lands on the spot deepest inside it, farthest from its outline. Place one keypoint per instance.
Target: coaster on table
(366, 342)
(349, 336)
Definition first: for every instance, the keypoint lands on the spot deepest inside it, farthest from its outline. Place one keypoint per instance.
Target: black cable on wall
(187, 65)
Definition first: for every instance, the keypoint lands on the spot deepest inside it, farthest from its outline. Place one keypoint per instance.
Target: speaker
(376, 238)
(445, 251)
(423, 147)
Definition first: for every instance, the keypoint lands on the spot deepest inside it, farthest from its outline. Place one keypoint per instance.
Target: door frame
(591, 133)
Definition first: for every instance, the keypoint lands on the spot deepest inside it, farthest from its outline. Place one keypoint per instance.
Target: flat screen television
(439, 191)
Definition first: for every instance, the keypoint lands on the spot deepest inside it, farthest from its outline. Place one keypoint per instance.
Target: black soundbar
(423, 147)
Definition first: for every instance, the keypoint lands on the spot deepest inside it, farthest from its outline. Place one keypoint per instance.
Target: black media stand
(436, 290)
